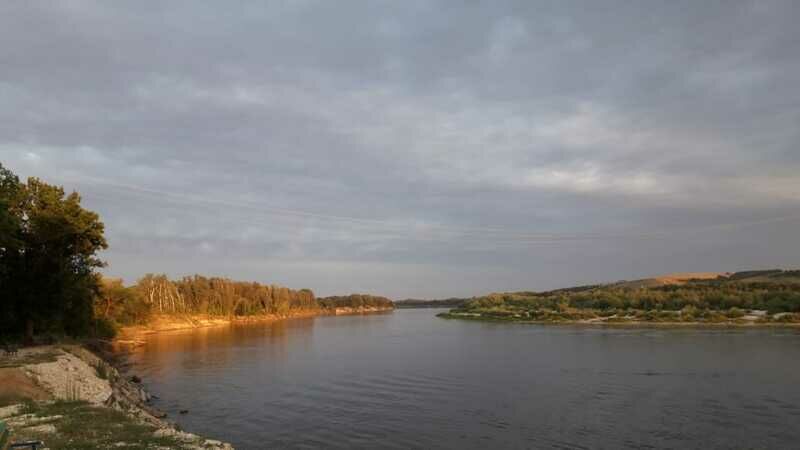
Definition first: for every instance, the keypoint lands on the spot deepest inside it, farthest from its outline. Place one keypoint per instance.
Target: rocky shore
(69, 397)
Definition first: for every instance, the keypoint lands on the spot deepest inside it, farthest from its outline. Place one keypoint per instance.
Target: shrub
(104, 329)
(101, 370)
(735, 313)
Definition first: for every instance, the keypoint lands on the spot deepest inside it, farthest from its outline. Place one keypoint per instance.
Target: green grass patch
(12, 399)
(86, 427)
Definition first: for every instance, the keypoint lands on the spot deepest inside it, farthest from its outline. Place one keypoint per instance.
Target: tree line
(355, 301)
(775, 297)
(215, 296)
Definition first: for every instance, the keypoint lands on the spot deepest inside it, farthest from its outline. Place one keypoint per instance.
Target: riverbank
(347, 310)
(654, 318)
(68, 397)
(133, 335)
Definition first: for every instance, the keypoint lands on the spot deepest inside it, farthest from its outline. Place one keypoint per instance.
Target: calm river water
(410, 380)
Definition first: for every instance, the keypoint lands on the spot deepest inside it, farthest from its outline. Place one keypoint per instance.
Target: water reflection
(219, 347)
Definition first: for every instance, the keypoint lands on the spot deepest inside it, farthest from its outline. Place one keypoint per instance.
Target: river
(407, 379)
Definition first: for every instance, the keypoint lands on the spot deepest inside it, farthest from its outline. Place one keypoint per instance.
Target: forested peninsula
(156, 303)
(58, 313)
(765, 297)
(51, 285)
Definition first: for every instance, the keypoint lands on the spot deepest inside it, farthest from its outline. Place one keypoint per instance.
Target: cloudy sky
(415, 149)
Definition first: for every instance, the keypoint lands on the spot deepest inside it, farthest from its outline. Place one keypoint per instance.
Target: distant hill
(749, 276)
(777, 276)
(672, 279)
(767, 276)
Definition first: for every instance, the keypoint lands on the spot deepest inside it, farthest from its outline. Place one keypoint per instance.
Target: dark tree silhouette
(48, 258)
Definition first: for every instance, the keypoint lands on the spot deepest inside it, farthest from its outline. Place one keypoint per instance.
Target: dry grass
(26, 357)
(683, 277)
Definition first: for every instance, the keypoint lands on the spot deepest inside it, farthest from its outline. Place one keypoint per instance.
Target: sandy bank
(164, 323)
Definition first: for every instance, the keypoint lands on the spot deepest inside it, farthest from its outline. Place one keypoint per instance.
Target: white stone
(46, 428)
(10, 411)
(71, 378)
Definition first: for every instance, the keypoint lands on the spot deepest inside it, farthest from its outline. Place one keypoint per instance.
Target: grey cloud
(415, 148)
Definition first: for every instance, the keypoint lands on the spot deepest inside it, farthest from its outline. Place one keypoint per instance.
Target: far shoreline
(623, 324)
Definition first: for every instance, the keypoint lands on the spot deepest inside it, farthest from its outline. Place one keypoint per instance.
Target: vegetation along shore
(156, 303)
(767, 297)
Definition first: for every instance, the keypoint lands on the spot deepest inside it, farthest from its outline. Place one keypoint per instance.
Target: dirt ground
(15, 384)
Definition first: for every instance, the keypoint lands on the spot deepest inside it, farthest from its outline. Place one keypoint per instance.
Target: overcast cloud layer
(419, 149)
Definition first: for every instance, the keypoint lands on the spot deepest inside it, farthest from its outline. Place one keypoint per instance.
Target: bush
(104, 328)
(735, 313)
(121, 305)
(102, 370)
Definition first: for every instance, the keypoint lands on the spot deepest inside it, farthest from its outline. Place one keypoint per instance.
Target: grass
(12, 399)
(86, 427)
(29, 358)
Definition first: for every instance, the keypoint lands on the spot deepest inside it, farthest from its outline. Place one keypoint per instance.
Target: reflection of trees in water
(221, 346)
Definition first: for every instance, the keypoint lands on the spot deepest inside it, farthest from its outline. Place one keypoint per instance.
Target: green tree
(9, 245)
(121, 305)
(50, 263)
(9, 225)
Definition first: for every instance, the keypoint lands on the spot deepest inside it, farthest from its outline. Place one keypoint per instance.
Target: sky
(420, 149)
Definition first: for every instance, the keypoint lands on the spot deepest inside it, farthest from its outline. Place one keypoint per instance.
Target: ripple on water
(410, 381)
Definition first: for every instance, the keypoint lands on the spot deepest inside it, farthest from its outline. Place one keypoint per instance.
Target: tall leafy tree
(9, 244)
(51, 273)
(9, 189)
